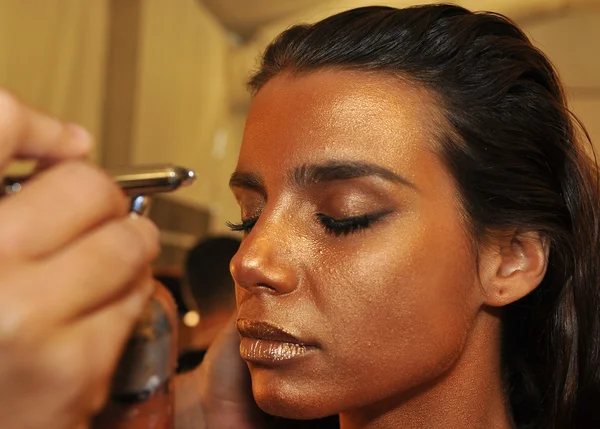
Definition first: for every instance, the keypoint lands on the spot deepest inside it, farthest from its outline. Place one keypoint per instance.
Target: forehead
(338, 114)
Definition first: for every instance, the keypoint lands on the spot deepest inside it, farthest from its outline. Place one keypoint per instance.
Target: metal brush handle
(137, 182)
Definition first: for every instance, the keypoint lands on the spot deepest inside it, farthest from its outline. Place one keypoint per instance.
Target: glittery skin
(393, 312)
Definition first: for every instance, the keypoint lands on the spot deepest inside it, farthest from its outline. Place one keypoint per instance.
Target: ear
(512, 265)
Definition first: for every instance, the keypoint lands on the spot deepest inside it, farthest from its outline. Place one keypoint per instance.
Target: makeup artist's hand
(218, 394)
(74, 276)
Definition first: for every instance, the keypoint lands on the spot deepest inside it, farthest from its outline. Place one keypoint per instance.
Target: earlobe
(511, 266)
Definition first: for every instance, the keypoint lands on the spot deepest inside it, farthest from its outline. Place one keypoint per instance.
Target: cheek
(399, 304)
(391, 308)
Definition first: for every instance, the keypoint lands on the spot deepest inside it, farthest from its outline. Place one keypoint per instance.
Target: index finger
(28, 134)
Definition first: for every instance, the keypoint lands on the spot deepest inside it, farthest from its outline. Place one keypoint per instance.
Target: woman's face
(356, 281)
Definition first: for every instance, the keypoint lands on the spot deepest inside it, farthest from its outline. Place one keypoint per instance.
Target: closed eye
(351, 224)
(332, 225)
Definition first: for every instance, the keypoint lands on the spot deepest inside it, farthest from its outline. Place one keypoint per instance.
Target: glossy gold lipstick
(267, 344)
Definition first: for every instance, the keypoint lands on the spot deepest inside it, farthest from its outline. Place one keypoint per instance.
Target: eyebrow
(313, 174)
(241, 179)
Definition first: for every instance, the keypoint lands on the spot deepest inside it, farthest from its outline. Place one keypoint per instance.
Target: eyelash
(244, 226)
(348, 225)
(333, 226)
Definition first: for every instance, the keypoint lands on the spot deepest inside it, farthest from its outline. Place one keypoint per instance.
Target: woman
(421, 228)
(421, 243)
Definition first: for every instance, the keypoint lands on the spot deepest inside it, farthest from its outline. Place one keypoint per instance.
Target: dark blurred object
(171, 280)
(209, 292)
(142, 394)
(189, 360)
(207, 274)
(331, 422)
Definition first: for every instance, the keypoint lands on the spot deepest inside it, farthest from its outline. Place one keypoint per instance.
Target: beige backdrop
(52, 55)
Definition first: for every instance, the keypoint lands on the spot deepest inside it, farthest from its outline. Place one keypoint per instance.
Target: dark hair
(172, 283)
(207, 274)
(515, 151)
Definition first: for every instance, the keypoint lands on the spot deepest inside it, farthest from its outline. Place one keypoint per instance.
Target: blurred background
(163, 80)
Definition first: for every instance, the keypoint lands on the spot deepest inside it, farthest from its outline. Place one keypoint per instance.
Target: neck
(468, 396)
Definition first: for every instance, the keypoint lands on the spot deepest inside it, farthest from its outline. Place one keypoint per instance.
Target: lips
(265, 331)
(267, 344)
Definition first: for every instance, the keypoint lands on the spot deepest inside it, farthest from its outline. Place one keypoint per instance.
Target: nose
(265, 261)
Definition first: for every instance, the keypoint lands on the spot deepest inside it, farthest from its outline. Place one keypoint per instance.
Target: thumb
(225, 376)
(225, 385)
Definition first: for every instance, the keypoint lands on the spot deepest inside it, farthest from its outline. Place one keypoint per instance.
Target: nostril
(266, 286)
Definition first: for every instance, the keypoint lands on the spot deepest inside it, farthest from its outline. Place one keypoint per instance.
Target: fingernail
(82, 139)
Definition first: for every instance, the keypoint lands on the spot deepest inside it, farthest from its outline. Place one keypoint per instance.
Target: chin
(299, 400)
